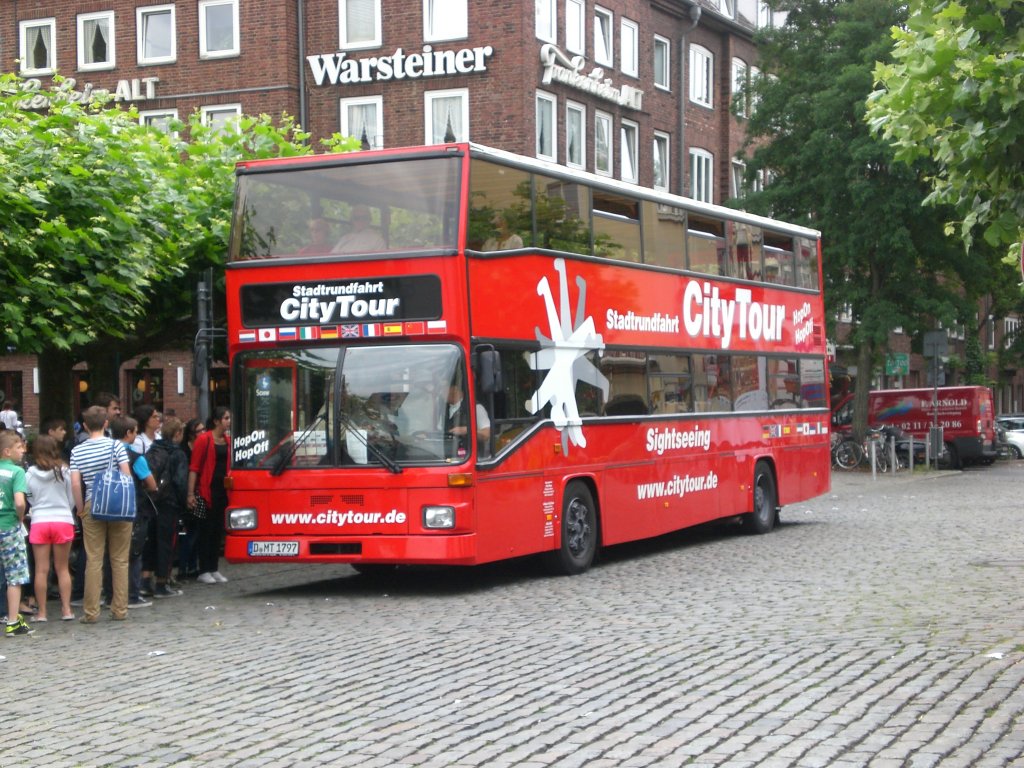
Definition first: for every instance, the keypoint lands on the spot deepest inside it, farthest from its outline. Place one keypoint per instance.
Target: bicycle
(847, 453)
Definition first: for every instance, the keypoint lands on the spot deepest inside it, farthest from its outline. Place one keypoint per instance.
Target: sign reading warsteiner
(560, 68)
(358, 300)
(335, 68)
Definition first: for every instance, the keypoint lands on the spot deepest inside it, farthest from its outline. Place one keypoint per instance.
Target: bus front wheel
(766, 502)
(579, 532)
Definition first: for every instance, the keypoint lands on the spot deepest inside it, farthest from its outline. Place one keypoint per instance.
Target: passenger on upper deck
(319, 237)
(362, 238)
(505, 239)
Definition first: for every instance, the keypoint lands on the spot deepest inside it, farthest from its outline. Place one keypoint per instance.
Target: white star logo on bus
(563, 356)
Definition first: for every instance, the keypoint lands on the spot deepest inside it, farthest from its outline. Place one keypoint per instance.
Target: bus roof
(534, 165)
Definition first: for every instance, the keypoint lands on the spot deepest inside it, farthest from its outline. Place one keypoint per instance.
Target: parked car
(1012, 428)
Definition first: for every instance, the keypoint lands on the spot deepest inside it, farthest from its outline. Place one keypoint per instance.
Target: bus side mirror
(489, 371)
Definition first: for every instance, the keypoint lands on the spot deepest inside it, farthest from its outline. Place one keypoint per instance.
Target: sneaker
(218, 577)
(206, 578)
(139, 602)
(162, 591)
(77, 602)
(19, 627)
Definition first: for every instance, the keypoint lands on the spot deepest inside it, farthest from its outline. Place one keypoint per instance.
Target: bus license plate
(273, 549)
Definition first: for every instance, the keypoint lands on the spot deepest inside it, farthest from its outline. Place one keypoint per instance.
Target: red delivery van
(965, 414)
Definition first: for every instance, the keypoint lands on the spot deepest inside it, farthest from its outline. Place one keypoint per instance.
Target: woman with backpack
(169, 466)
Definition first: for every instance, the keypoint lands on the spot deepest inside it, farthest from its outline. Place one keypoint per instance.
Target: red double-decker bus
(455, 355)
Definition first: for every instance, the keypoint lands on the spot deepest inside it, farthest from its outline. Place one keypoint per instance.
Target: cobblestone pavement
(881, 625)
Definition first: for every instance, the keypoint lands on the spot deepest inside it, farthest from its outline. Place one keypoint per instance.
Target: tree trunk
(56, 400)
(865, 363)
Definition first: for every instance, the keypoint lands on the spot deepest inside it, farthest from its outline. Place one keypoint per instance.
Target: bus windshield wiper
(393, 466)
(285, 459)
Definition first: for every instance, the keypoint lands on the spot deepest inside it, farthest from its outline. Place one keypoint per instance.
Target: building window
(739, 83)
(359, 23)
(629, 44)
(629, 152)
(222, 116)
(575, 26)
(575, 135)
(161, 119)
(660, 158)
(737, 187)
(727, 7)
(702, 66)
(444, 20)
(746, 12)
(701, 164)
(603, 150)
(447, 116)
(1011, 327)
(38, 49)
(604, 51)
(662, 63)
(218, 28)
(546, 20)
(766, 17)
(96, 41)
(156, 34)
(364, 119)
(546, 126)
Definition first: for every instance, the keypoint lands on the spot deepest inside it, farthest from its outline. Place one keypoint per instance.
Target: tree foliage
(885, 259)
(105, 224)
(953, 91)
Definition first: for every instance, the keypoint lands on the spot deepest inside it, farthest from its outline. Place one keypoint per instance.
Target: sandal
(69, 617)
(28, 609)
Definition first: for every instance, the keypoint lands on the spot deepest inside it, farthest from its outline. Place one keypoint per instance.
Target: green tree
(953, 91)
(884, 258)
(107, 223)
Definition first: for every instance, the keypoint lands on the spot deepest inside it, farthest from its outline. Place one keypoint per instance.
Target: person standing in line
(188, 562)
(9, 416)
(149, 420)
(170, 467)
(53, 522)
(13, 553)
(88, 460)
(126, 429)
(211, 459)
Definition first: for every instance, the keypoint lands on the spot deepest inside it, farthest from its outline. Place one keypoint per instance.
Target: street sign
(897, 364)
(936, 344)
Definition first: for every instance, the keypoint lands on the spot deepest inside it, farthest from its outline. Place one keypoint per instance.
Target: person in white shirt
(363, 238)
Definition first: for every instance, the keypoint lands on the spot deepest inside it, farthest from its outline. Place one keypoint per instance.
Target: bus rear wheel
(765, 514)
(579, 532)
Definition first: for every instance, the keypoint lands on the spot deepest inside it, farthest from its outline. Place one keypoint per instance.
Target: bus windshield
(347, 407)
(347, 207)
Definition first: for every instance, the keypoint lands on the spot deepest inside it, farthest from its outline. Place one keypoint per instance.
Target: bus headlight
(439, 517)
(241, 519)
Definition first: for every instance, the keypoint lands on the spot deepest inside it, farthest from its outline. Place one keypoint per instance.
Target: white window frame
(445, 20)
(344, 43)
(428, 111)
(663, 78)
(702, 175)
(702, 76)
(1011, 327)
(552, 101)
(661, 151)
(83, 46)
(24, 27)
(739, 80)
(140, 17)
(546, 20)
(207, 113)
(377, 140)
(606, 119)
(151, 116)
(204, 48)
(571, 107)
(604, 36)
(738, 171)
(727, 8)
(629, 47)
(629, 151)
(576, 27)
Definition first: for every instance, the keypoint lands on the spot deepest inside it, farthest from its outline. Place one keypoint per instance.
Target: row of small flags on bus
(784, 430)
(365, 330)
